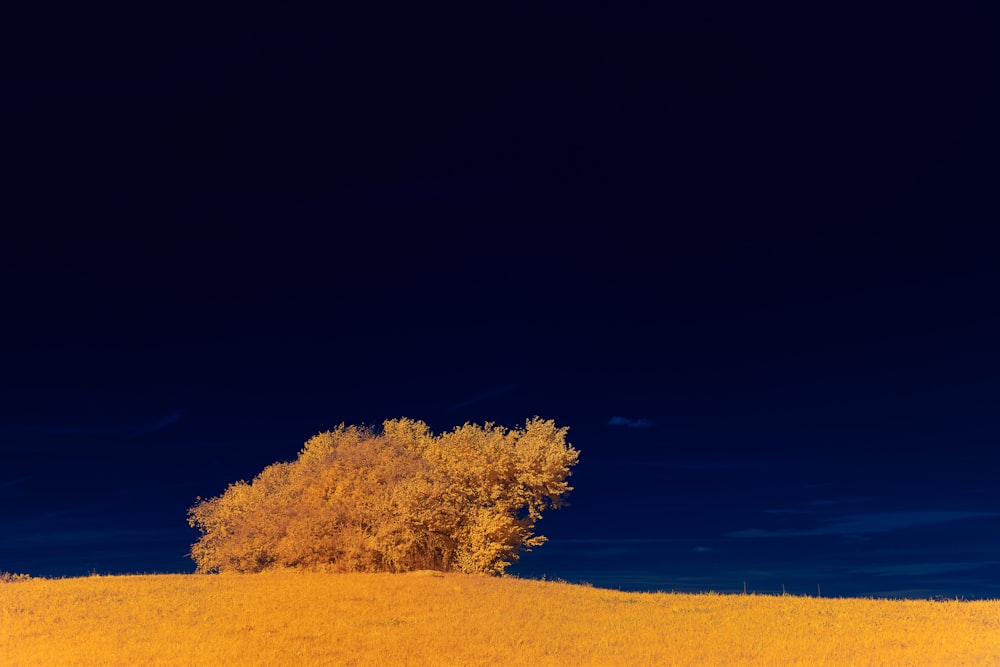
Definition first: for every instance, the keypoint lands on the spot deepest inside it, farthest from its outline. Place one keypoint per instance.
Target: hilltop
(432, 618)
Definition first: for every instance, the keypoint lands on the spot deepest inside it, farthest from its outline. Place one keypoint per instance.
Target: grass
(290, 618)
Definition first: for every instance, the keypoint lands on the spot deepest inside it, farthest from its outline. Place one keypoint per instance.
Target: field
(424, 618)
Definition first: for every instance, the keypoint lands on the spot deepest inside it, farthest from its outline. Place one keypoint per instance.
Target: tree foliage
(394, 500)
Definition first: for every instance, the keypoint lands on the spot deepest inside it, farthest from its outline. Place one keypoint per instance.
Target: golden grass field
(423, 618)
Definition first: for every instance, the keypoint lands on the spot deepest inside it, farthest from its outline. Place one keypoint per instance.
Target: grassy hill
(425, 618)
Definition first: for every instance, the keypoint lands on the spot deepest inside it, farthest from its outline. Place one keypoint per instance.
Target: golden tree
(397, 499)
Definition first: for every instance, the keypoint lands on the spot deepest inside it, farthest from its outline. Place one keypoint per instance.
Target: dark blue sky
(746, 255)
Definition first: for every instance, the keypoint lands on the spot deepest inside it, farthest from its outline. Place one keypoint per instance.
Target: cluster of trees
(393, 500)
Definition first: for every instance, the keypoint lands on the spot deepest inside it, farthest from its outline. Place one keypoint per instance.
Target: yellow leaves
(398, 500)
(322, 445)
(412, 435)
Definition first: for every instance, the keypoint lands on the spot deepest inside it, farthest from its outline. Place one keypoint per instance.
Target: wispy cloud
(622, 547)
(623, 540)
(478, 398)
(826, 502)
(159, 424)
(630, 423)
(819, 505)
(866, 524)
(118, 431)
(13, 482)
(920, 569)
(68, 537)
(714, 465)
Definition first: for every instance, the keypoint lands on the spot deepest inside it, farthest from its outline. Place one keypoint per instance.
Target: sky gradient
(747, 255)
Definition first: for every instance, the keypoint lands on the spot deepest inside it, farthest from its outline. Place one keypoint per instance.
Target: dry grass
(292, 618)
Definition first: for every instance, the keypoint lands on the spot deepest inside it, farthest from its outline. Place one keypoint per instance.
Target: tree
(398, 499)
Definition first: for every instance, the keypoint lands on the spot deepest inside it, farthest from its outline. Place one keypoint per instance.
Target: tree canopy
(391, 500)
